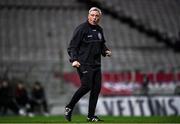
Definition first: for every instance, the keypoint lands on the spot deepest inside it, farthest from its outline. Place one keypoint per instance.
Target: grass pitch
(82, 119)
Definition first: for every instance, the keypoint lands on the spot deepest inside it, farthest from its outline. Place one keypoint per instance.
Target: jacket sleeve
(104, 49)
(74, 44)
(103, 46)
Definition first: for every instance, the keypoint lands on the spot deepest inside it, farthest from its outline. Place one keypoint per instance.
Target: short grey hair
(95, 9)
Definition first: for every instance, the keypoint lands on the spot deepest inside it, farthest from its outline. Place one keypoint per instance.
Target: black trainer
(68, 113)
(94, 119)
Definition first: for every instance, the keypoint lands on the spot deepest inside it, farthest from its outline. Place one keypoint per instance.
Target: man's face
(94, 17)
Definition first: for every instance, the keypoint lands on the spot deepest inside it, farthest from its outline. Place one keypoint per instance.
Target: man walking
(85, 50)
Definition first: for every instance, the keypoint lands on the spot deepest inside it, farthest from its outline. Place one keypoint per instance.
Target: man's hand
(76, 64)
(108, 53)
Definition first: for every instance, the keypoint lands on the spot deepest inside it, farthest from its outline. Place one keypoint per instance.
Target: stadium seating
(128, 83)
(161, 14)
(34, 36)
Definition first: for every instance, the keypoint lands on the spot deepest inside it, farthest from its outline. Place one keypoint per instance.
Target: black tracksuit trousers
(90, 77)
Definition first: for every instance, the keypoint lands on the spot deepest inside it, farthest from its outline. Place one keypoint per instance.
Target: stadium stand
(149, 10)
(34, 36)
(137, 14)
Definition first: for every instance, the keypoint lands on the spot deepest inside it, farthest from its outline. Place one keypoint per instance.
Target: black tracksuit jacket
(87, 44)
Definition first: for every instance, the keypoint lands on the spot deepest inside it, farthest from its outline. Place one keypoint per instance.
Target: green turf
(82, 119)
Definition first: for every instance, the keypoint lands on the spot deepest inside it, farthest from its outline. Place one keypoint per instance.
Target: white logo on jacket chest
(84, 72)
(90, 36)
(99, 36)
